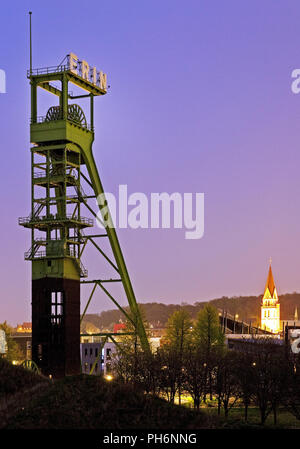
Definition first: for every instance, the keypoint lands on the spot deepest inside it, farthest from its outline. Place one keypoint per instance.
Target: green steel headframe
(64, 139)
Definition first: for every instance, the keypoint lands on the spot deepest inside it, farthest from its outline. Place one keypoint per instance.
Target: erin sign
(91, 74)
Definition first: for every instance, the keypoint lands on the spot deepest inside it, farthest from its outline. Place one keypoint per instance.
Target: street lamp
(109, 377)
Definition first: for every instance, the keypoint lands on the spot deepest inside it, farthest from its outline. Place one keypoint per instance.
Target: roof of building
(119, 326)
(270, 281)
(24, 326)
(270, 288)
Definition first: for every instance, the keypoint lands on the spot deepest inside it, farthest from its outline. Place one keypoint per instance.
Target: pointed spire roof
(270, 285)
(270, 293)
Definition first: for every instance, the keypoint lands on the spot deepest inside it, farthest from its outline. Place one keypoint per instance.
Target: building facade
(97, 359)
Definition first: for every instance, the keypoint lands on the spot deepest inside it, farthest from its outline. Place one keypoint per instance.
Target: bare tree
(194, 367)
(208, 336)
(245, 369)
(226, 385)
(290, 397)
(268, 377)
(169, 375)
(178, 336)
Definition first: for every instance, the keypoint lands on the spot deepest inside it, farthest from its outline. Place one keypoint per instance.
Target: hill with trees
(246, 307)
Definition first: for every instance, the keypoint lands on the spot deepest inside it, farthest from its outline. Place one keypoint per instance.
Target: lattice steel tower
(62, 145)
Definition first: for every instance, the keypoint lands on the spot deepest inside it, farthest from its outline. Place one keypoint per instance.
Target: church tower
(270, 307)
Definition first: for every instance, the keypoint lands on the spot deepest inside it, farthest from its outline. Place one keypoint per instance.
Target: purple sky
(200, 101)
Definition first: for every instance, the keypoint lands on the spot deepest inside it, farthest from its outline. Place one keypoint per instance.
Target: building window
(108, 351)
(56, 307)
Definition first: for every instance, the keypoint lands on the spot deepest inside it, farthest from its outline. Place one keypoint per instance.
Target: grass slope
(14, 379)
(87, 402)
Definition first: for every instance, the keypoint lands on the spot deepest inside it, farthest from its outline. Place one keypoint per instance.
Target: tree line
(246, 307)
(13, 350)
(194, 360)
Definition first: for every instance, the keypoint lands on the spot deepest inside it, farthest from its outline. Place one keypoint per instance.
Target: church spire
(296, 314)
(270, 307)
(270, 288)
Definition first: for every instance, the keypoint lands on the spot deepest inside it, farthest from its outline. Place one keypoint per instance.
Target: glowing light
(109, 377)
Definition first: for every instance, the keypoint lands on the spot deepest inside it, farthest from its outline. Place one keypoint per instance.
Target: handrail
(52, 174)
(51, 69)
(83, 270)
(67, 217)
(68, 252)
(42, 119)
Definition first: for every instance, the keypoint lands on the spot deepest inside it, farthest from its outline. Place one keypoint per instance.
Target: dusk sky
(200, 101)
